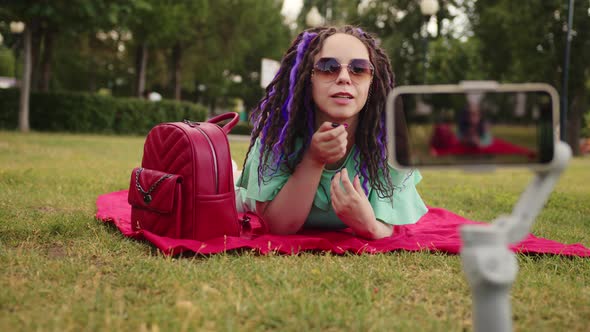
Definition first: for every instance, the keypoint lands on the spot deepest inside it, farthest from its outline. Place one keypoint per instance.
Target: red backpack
(184, 188)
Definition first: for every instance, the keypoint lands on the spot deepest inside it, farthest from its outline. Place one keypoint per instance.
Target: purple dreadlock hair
(288, 105)
(287, 112)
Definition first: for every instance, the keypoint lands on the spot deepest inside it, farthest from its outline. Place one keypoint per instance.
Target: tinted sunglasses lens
(328, 68)
(360, 68)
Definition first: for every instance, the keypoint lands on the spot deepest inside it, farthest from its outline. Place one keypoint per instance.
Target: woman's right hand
(287, 212)
(328, 143)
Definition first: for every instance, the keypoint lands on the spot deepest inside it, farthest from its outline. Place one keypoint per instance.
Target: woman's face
(474, 115)
(340, 96)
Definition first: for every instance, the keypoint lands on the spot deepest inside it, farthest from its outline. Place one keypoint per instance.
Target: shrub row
(242, 128)
(91, 113)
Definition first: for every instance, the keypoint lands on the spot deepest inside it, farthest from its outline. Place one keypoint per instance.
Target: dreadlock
(287, 112)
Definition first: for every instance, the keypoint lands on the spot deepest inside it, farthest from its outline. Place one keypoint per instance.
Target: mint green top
(406, 207)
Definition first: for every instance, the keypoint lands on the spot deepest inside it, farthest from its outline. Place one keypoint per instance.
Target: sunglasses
(328, 70)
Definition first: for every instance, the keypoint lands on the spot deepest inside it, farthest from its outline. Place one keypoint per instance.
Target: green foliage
(530, 46)
(399, 26)
(9, 101)
(521, 47)
(86, 64)
(218, 40)
(91, 113)
(452, 61)
(400, 36)
(235, 46)
(6, 62)
(242, 128)
(513, 41)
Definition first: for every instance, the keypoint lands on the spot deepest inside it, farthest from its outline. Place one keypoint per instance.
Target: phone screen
(473, 128)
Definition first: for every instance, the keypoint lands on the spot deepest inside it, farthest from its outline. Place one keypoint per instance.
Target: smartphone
(472, 125)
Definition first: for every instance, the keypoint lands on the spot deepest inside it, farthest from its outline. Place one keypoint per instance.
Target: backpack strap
(235, 117)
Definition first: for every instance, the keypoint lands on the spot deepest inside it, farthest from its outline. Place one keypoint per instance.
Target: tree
(399, 25)
(23, 12)
(529, 46)
(190, 27)
(174, 26)
(453, 60)
(201, 42)
(144, 35)
(43, 21)
(227, 60)
(23, 112)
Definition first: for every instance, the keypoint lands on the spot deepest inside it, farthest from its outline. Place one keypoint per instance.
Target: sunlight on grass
(63, 270)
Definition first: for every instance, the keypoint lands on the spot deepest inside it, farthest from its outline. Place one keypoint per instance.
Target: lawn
(63, 270)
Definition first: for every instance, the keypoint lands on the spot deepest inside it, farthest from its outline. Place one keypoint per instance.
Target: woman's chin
(341, 113)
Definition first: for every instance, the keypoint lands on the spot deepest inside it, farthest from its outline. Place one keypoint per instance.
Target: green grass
(60, 269)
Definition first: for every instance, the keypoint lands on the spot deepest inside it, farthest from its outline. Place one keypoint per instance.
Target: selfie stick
(488, 262)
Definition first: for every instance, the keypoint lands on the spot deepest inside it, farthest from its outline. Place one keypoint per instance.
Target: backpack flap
(153, 190)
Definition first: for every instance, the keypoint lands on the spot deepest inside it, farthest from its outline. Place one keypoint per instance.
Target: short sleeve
(406, 205)
(486, 139)
(249, 185)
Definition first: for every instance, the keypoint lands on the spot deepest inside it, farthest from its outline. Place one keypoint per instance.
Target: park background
(210, 52)
(92, 66)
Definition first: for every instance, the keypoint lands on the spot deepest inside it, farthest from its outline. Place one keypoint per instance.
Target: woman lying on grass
(317, 155)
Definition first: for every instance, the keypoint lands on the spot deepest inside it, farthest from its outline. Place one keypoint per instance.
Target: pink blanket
(497, 147)
(437, 230)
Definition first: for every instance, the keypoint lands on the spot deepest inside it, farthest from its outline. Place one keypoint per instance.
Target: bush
(9, 99)
(242, 128)
(91, 113)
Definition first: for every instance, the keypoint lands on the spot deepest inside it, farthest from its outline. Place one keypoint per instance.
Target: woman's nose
(343, 76)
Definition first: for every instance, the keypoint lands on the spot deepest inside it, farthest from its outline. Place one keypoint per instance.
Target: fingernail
(334, 124)
(345, 125)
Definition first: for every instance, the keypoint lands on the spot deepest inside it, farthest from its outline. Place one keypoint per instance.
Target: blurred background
(116, 63)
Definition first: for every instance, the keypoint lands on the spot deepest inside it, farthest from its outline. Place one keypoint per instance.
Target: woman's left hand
(350, 202)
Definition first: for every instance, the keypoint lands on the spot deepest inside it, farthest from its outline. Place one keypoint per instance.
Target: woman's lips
(342, 101)
(342, 98)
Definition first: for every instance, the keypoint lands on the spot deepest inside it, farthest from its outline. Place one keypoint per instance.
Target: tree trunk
(46, 60)
(176, 64)
(25, 89)
(574, 122)
(141, 58)
(92, 66)
(36, 39)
